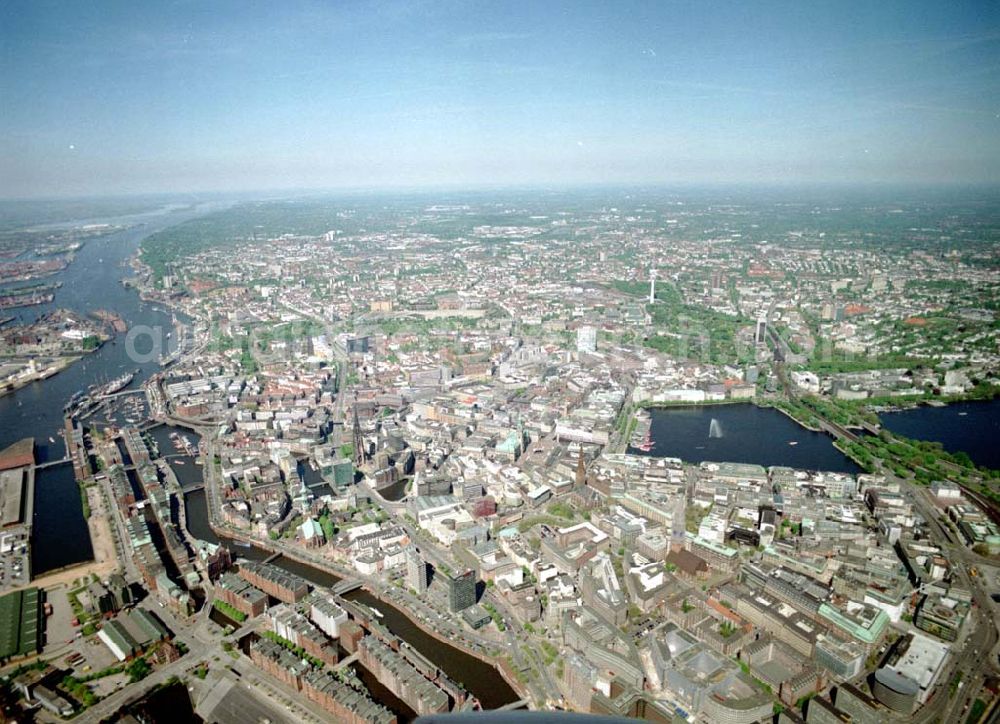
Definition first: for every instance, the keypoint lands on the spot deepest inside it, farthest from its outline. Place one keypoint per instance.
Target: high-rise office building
(461, 590)
(760, 337)
(586, 339)
(416, 570)
(358, 345)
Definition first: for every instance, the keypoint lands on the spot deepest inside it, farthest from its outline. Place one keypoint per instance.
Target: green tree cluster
(229, 611)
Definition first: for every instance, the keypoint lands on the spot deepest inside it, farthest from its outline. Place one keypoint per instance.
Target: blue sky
(109, 97)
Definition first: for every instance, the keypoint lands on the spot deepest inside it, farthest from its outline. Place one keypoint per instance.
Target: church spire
(360, 458)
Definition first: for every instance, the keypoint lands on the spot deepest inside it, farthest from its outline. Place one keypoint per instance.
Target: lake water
(972, 427)
(742, 433)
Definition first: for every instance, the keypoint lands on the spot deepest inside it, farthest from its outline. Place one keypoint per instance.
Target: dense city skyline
(184, 97)
(374, 360)
(719, 456)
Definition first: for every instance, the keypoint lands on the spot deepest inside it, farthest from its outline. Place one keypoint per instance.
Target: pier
(123, 393)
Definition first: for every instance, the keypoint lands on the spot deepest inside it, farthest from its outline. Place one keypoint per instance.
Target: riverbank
(101, 537)
(70, 573)
(55, 367)
(453, 643)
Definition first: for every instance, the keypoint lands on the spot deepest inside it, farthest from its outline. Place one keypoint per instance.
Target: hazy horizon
(792, 192)
(309, 97)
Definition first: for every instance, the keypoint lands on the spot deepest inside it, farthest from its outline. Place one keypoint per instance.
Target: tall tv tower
(652, 285)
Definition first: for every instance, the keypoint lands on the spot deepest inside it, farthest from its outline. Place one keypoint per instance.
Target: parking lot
(96, 656)
(14, 561)
(59, 628)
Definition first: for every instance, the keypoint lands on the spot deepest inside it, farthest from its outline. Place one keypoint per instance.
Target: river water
(92, 281)
(742, 433)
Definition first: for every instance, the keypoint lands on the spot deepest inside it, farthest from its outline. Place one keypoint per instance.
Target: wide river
(91, 282)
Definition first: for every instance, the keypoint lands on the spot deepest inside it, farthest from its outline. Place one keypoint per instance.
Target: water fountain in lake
(715, 428)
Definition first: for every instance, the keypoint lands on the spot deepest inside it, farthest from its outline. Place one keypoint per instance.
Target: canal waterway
(60, 536)
(479, 677)
(380, 693)
(970, 427)
(397, 491)
(170, 443)
(196, 514)
(742, 433)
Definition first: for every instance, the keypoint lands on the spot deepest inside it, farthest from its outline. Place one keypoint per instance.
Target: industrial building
(286, 587)
(22, 623)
